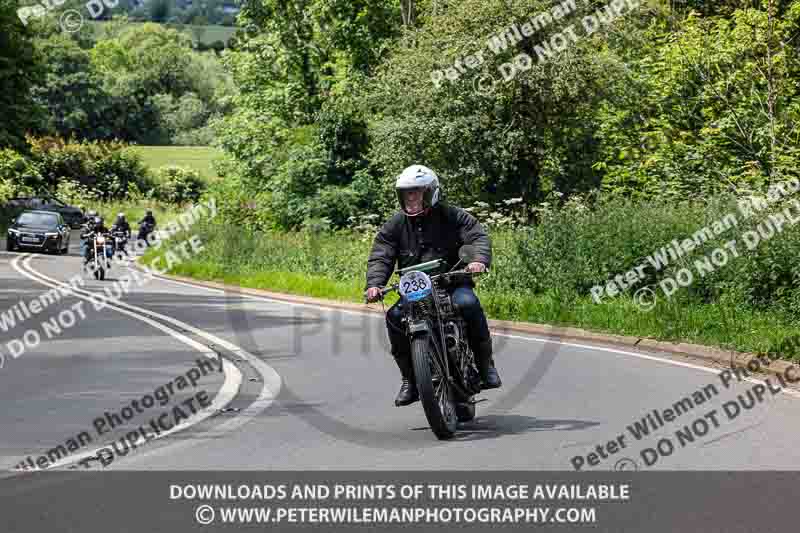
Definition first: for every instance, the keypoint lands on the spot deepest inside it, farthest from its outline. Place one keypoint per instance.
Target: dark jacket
(122, 226)
(148, 219)
(413, 240)
(95, 229)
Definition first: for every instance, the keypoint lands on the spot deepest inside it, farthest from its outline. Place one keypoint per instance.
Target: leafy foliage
(107, 168)
(178, 185)
(20, 70)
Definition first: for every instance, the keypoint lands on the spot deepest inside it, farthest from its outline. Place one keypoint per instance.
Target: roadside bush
(573, 249)
(6, 190)
(178, 185)
(74, 193)
(106, 167)
(18, 174)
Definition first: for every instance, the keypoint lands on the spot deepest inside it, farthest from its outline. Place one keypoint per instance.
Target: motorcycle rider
(423, 230)
(97, 227)
(90, 216)
(121, 224)
(148, 220)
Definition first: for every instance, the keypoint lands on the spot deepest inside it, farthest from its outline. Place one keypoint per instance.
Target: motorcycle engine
(451, 336)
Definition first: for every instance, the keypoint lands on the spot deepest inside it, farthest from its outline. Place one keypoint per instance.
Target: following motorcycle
(145, 229)
(445, 369)
(120, 242)
(101, 250)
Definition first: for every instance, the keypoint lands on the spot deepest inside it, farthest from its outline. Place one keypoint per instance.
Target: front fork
(424, 327)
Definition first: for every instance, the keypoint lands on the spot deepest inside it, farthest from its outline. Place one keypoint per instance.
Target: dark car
(39, 230)
(72, 215)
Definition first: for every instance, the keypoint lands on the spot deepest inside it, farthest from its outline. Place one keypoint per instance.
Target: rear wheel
(435, 392)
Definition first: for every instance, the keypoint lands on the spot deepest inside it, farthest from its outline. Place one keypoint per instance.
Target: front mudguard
(419, 327)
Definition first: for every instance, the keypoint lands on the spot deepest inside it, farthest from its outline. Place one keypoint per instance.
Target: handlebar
(389, 288)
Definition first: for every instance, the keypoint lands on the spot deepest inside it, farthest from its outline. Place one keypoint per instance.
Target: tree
(72, 92)
(523, 136)
(20, 70)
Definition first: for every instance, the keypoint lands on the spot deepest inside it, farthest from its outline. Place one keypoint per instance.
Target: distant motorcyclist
(146, 226)
(148, 218)
(90, 216)
(426, 229)
(97, 228)
(122, 225)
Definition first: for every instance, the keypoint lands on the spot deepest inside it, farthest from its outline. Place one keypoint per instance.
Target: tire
(465, 411)
(9, 246)
(442, 422)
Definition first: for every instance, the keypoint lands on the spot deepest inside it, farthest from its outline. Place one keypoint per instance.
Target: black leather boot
(408, 390)
(483, 357)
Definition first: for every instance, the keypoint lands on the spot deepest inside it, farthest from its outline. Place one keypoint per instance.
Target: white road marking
(233, 377)
(589, 347)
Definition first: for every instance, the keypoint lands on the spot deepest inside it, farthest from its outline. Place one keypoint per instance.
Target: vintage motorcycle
(445, 370)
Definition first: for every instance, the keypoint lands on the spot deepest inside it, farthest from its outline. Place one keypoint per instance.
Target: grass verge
(332, 267)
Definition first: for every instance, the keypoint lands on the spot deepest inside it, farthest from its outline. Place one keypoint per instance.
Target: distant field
(204, 34)
(195, 157)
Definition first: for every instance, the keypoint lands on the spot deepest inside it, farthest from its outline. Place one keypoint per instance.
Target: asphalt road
(308, 388)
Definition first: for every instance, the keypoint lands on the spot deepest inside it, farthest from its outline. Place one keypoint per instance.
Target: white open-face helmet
(414, 177)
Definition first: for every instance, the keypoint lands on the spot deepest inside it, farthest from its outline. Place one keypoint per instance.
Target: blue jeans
(464, 299)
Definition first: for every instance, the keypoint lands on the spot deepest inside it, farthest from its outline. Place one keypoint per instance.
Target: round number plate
(415, 285)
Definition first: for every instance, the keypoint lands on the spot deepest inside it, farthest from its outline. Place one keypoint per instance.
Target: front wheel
(435, 392)
(465, 411)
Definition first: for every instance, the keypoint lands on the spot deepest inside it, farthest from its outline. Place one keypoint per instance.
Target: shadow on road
(494, 426)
